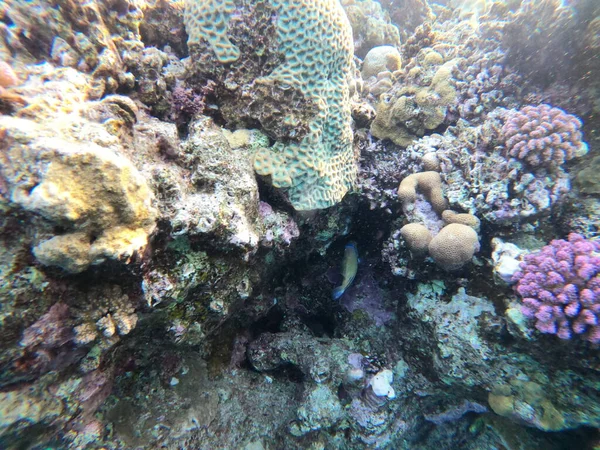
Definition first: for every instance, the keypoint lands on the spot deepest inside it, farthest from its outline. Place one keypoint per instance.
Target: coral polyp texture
(313, 39)
(454, 246)
(543, 136)
(560, 286)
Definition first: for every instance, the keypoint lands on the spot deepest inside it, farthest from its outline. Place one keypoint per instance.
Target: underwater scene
(300, 224)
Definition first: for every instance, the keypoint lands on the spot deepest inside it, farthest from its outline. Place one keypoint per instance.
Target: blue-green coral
(315, 39)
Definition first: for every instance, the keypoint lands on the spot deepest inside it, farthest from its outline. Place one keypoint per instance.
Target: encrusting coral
(317, 166)
(418, 102)
(99, 199)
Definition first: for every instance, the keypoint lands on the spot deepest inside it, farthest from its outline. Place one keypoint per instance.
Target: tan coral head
(429, 183)
(454, 246)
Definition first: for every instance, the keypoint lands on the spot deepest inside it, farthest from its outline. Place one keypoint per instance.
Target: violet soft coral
(543, 136)
(560, 286)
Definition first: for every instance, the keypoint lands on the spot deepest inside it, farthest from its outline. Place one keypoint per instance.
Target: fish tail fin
(338, 292)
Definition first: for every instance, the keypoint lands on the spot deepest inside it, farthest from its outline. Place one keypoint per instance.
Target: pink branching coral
(560, 286)
(543, 136)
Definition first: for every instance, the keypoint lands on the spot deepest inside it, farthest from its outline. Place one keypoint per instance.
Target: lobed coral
(430, 183)
(543, 136)
(452, 243)
(560, 286)
(309, 59)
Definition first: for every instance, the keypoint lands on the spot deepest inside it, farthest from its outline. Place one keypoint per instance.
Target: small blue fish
(349, 268)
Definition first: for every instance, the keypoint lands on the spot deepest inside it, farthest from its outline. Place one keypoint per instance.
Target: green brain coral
(314, 41)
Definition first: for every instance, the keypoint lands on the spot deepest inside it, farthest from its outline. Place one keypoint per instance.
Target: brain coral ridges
(314, 42)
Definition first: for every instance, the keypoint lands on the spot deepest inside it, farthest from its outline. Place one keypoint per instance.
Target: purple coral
(560, 286)
(542, 136)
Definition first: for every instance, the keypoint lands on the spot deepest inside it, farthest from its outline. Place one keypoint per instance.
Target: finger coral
(543, 136)
(560, 286)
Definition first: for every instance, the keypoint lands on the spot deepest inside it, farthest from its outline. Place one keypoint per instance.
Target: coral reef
(560, 286)
(180, 179)
(481, 180)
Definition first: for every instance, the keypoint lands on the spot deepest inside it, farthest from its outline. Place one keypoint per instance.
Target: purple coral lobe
(542, 136)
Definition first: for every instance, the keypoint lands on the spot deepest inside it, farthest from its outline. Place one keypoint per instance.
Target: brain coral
(417, 237)
(454, 246)
(560, 286)
(543, 136)
(313, 43)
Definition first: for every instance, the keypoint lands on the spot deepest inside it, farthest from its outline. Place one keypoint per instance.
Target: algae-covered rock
(587, 179)
(98, 198)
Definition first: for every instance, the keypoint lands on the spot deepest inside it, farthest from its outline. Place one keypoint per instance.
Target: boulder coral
(309, 58)
(380, 59)
(454, 246)
(417, 237)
